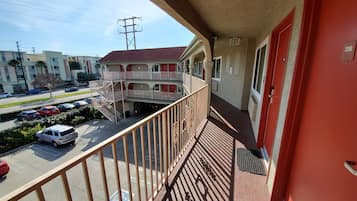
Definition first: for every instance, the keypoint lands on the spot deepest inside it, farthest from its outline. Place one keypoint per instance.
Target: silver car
(58, 135)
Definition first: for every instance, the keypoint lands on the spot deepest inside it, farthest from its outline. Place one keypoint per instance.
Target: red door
(164, 88)
(164, 67)
(172, 67)
(172, 88)
(327, 134)
(278, 61)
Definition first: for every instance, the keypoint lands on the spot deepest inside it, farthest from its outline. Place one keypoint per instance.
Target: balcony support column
(191, 66)
(208, 65)
(114, 105)
(122, 98)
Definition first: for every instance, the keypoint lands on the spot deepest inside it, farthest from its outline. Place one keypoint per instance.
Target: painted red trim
(272, 54)
(295, 103)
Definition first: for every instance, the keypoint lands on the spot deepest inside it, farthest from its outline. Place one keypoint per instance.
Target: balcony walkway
(209, 170)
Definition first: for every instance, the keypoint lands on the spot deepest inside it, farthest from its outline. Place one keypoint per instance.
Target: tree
(42, 66)
(46, 81)
(16, 64)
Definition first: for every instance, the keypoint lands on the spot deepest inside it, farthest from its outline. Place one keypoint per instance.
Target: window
(188, 66)
(259, 68)
(156, 87)
(7, 73)
(216, 70)
(198, 68)
(156, 68)
(3, 56)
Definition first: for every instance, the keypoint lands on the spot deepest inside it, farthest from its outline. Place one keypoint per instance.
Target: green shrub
(12, 138)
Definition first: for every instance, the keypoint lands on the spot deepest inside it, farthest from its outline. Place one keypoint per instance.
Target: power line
(130, 28)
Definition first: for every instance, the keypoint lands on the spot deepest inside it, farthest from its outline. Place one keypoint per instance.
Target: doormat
(249, 160)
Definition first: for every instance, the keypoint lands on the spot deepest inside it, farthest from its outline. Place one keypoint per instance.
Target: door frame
(269, 76)
(296, 97)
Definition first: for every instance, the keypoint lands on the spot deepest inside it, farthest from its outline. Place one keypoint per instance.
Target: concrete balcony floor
(209, 169)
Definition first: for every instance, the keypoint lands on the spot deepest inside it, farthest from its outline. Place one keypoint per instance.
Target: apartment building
(56, 63)
(296, 142)
(138, 76)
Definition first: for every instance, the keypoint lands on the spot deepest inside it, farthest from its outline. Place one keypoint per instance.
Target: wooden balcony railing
(144, 75)
(163, 137)
(113, 75)
(155, 95)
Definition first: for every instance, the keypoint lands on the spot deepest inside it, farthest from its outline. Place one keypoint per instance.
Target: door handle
(348, 165)
(271, 94)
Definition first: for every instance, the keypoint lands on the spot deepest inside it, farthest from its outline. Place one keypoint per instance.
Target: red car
(48, 111)
(4, 168)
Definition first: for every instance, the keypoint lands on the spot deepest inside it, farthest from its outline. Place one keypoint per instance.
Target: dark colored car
(79, 104)
(4, 168)
(28, 115)
(71, 89)
(90, 100)
(48, 111)
(33, 91)
(65, 107)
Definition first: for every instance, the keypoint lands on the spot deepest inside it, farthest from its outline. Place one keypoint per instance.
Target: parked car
(90, 100)
(79, 104)
(71, 89)
(58, 135)
(65, 107)
(5, 95)
(33, 91)
(48, 111)
(4, 168)
(28, 115)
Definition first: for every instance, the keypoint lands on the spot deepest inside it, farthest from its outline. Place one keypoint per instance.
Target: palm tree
(15, 63)
(42, 65)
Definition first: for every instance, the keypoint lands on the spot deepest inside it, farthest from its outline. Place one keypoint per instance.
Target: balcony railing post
(126, 157)
(135, 150)
(143, 160)
(165, 143)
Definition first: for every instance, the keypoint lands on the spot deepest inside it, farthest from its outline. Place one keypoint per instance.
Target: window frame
(257, 94)
(220, 69)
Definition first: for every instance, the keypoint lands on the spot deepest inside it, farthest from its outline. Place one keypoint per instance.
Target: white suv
(58, 135)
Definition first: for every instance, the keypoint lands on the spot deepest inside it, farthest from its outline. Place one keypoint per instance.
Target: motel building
(134, 79)
(266, 110)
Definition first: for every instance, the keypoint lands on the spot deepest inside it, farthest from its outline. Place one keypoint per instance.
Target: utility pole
(33, 50)
(19, 58)
(129, 25)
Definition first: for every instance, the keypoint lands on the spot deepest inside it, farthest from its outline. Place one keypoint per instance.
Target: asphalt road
(34, 160)
(30, 97)
(40, 104)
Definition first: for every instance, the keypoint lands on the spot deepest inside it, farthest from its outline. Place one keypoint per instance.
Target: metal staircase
(111, 93)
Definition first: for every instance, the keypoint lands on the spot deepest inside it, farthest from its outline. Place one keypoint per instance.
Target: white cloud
(76, 15)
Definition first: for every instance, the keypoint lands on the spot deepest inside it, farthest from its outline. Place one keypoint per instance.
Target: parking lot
(34, 160)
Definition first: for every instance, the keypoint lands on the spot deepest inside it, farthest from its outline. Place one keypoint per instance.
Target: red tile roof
(156, 54)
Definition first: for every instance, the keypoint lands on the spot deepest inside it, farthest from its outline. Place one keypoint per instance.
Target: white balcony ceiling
(245, 18)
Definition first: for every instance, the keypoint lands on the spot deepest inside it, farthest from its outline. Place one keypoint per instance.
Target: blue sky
(84, 27)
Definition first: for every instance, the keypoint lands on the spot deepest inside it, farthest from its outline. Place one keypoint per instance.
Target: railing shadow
(207, 172)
